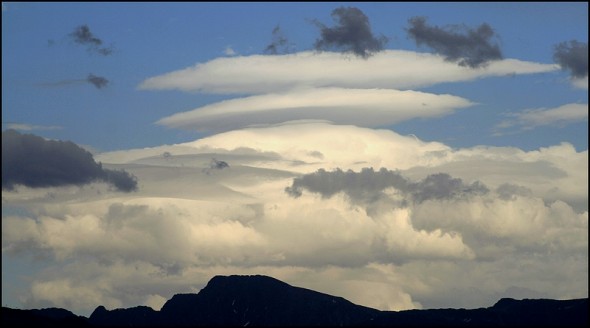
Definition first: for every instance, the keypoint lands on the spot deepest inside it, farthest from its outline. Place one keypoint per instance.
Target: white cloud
(581, 83)
(228, 51)
(389, 69)
(559, 116)
(361, 107)
(31, 127)
(184, 225)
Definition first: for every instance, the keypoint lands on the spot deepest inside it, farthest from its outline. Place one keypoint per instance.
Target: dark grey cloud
(508, 191)
(368, 185)
(573, 57)
(218, 165)
(83, 36)
(32, 161)
(352, 33)
(98, 81)
(279, 43)
(467, 46)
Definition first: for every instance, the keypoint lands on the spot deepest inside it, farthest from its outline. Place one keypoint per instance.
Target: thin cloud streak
(98, 82)
(533, 118)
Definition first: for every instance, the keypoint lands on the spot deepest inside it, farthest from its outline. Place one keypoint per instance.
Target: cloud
(467, 46)
(82, 35)
(279, 43)
(30, 127)
(351, 34)
(388, 69)
(573, 57)
(369, 185)
(437, 233)
(533, 118)
(98, 81)
(229, 51)
(361, 107)
(32, 161)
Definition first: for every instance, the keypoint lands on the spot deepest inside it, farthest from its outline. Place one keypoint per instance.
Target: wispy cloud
(82, 35)
(532, 118)
(97, 81)
(30, 127)
(279, 44)
(352, 34)
(466, 46)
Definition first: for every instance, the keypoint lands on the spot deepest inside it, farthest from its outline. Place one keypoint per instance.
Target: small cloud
(532, 118)
(83, 36)
(98, 81)
(218, 165)
(572, 56)
(351, 34)
(30, 127)
(228, 51)
(467, 46)
(279, 43)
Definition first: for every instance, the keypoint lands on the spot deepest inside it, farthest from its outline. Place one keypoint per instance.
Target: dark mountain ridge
(265, 301)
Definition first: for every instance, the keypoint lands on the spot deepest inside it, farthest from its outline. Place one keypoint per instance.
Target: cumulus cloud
(362, 107)
(32, 161)
(466, 46)
(82, 35)
(351, 34)
(388, 69)
(427, 234)
(573, 57)
(532, 118)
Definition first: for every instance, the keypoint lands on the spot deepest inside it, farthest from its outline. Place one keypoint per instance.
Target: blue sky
(404, 179)
(155, 38)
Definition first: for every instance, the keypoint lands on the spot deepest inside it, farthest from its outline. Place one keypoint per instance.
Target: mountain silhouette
(264, 301)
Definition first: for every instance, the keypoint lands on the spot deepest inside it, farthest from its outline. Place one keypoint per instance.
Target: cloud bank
(427, 220)
(32, 161)
(466, 46)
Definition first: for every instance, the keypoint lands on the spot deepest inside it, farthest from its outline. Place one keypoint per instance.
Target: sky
(400, 155)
